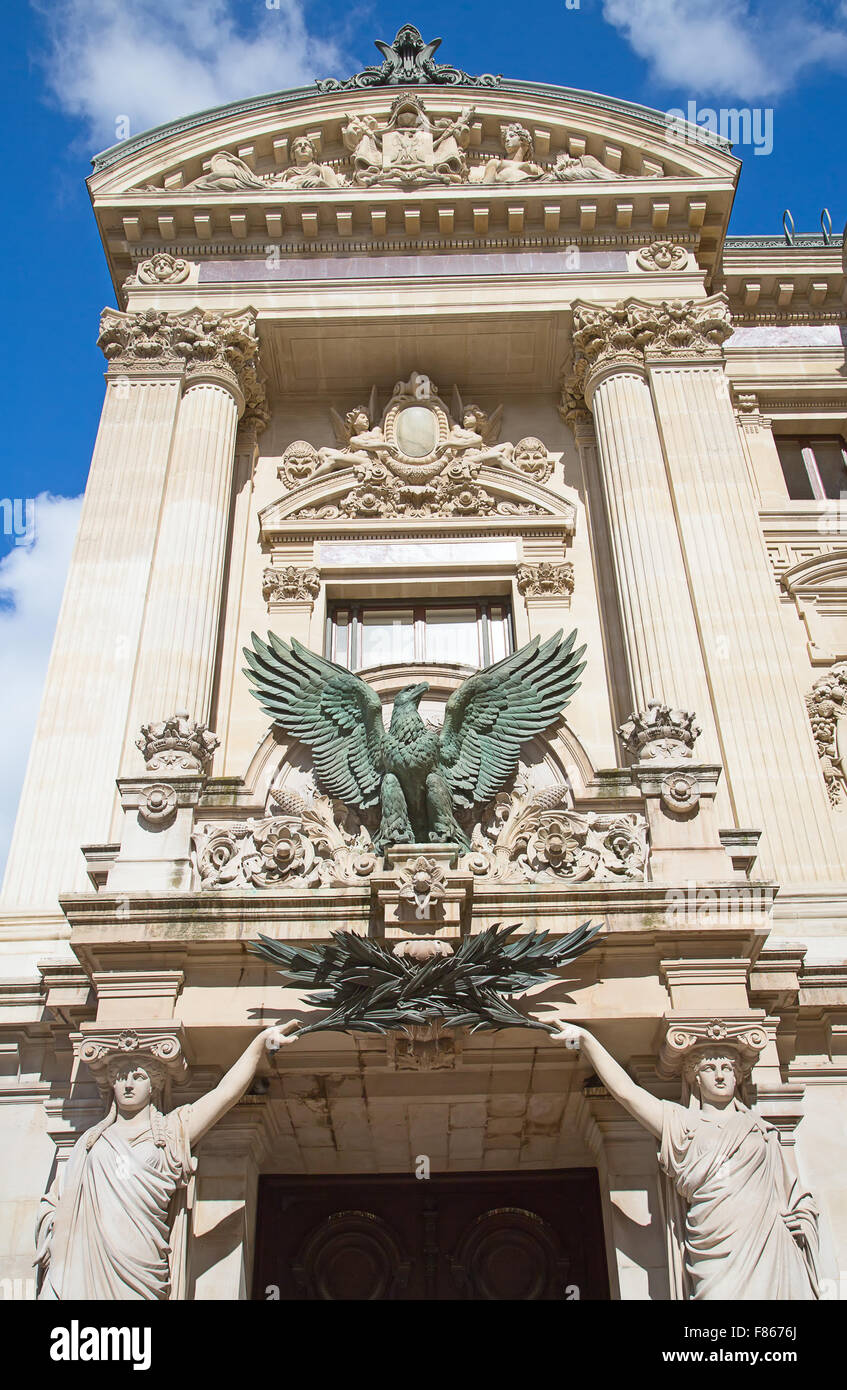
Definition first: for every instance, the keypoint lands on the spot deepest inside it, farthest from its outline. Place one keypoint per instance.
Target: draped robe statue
(114, 1224)
(748, 1229)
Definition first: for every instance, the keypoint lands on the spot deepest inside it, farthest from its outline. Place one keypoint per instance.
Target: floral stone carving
(162, 269)
(545, 580)
(826, 705)
(302, 847)
(536, 837)
(421, 883)
(289, 584)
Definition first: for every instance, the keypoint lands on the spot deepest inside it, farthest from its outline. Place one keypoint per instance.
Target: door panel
(501, 1236)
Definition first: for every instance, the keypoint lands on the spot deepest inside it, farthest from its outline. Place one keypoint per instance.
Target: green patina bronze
(417, 775)
(369, 989)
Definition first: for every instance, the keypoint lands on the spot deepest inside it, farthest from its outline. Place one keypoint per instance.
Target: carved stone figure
(662, 255)
(516, 165)
(227, 174)
(162, 269)
(410, 149)
(306, 172)
(419, 460)
(413, 772)
(826, 705)
(750, 1230)
(574, 168)
(110, 1226)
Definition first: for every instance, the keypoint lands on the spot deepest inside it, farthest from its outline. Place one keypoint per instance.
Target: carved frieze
(301, 845)
(537, 837)
(545, 580)
(290, 584)
(418, 461)
(826, 705)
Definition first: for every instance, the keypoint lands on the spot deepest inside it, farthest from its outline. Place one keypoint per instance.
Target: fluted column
(769, 752)
(175, 668)
(68, 796)
(661, 645)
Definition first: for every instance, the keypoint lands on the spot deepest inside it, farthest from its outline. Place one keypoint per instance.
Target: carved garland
(826, 705)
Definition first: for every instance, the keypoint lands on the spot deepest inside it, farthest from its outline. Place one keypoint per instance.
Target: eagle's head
(411, 695)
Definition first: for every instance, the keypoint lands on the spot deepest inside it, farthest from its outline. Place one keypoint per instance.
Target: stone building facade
(413, 369)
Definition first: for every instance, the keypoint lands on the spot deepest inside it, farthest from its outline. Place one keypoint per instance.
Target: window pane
(498, 634)
(452, 635)
(829, 457)
(794, 468)
(387, 636)
(341, 628)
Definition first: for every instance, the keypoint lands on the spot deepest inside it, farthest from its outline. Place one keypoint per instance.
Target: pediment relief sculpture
(420, 459)
(410, 150)
(406, 147)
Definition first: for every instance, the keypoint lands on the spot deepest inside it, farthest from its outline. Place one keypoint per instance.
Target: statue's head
(302, 150)
(473, 418)
(411, 694)
(136, 1082)
(358, 420)
(714, 1073)
(517, 137)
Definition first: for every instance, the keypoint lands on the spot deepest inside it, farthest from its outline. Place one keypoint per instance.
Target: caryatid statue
(750, 1230)
(113, 1224)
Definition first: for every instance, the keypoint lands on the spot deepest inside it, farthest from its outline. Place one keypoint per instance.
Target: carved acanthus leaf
(545, 580)
(634, 332)
(290, 584)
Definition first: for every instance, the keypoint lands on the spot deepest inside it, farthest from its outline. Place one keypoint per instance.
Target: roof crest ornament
(408, 61)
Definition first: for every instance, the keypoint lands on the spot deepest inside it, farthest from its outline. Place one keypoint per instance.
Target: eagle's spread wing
(331, 710)
(494, 712)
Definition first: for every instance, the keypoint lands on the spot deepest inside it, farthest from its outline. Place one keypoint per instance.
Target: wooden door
(477, 1236)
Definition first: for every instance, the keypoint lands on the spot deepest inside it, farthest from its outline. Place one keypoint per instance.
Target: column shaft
(662, 647)
(175, 668)
(769, 752)
(69, 791)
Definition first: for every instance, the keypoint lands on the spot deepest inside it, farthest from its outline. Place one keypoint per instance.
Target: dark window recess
(360, 635)
(814, 466)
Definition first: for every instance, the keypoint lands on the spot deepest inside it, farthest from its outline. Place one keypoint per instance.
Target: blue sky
(74, 67)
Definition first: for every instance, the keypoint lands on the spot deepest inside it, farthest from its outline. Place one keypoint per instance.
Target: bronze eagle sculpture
(416, 774)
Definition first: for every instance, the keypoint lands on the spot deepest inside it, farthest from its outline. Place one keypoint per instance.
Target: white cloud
(745, 49)
(150, 61)
(32, 578)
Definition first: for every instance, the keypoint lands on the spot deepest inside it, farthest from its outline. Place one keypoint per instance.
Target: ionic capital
(690, 1037)
(158, 1049)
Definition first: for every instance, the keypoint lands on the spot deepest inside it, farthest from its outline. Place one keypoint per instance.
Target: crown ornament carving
(407, 62)
(177, 744)
(660, 733)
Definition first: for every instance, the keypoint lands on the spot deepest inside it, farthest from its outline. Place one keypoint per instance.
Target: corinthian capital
(196, 342)
(635, 332)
